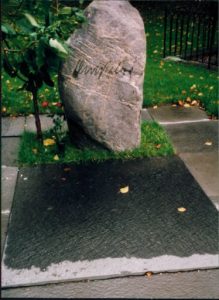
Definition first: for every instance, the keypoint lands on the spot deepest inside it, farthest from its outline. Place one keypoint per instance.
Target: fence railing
(191, 32)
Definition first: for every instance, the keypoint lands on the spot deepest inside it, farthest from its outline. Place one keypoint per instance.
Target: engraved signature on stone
(108, 68)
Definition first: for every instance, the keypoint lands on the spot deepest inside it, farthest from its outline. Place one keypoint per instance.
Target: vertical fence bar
(198, 36)
(176, 35)
(203, 40)
(181, 35)
(171, 28)
(210, 21)
(187, 35)
(192, 39)
(165, 32)
(212, 40)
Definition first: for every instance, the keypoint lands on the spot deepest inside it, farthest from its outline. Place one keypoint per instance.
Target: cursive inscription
(109, 68)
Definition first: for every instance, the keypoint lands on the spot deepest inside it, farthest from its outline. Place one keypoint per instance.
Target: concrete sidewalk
(195, 139)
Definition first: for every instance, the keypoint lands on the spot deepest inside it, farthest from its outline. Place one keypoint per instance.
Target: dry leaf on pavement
(148, 274)
(181, 209)
(180, 103)
(124, 190)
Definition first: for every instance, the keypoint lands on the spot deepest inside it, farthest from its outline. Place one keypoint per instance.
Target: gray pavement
(201, 160)
(9, 151)
(196, 285)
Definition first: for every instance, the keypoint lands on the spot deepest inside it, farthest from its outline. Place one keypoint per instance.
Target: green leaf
(54, 43)
(8, 68)
(80, 16)
(65, 10)
(6, 28)
(32, 20)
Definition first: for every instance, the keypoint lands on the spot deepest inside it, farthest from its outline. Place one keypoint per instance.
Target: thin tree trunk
(37, 117)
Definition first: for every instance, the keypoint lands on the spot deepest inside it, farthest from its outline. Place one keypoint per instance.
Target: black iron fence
(191, 31)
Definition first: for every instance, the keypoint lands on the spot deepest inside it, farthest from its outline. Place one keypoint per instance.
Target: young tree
(33, 44)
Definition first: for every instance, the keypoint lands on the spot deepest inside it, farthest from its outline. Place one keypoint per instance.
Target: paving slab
(9, 178)
(9, 150)
(145, 116)
(175, 114)
(46, 123)
(12, 126)
(74, 223)
(205, 168)
(193, 137)
(195, 285)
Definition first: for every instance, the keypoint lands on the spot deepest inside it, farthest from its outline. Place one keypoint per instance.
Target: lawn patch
(154, 142)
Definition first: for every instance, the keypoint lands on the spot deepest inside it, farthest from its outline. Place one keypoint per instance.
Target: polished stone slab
(73, 223)
(8, 182)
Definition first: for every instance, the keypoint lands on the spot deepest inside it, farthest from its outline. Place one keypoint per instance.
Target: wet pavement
(189, 136)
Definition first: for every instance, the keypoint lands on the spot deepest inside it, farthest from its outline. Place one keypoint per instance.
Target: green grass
(16, 102)
(154, 142)
(169, 82)
(165, 82)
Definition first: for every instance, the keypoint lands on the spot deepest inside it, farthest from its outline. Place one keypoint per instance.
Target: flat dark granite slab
(75, 224)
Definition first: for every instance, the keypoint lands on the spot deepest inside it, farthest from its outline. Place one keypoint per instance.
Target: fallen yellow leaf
(34, 150)
(56, 157)
(49, 142)
(180, 103)
(208, 143)
(193, 87)
(155, 107)
(148, 274)
(158, 146)
(186, 105)
(181, 209)
(184, 92)
(124, 190)
(4, 109)
(188, 99)
(194, 102)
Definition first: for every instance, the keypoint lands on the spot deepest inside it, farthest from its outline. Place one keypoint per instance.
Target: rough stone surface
(101, 82)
